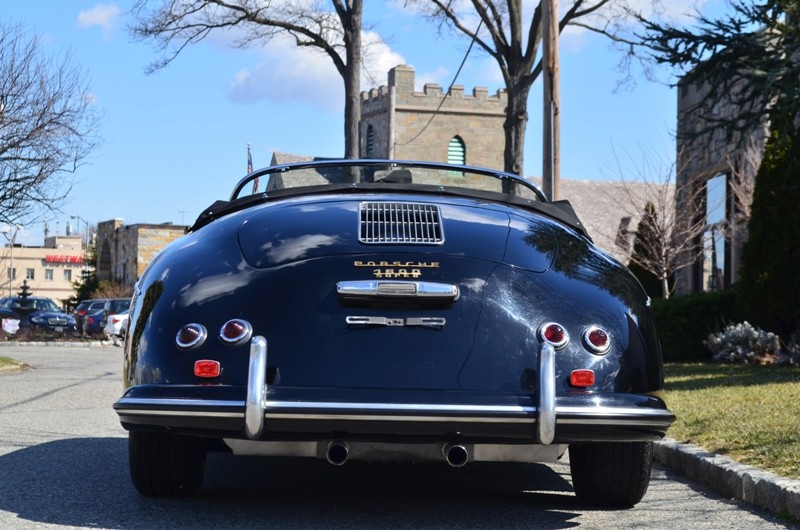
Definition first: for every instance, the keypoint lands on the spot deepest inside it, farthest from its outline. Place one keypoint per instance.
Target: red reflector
(582, 378)
(207, 368)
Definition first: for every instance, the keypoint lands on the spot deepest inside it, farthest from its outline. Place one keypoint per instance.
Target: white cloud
(102, 15)
(286, 73)
(378, 60)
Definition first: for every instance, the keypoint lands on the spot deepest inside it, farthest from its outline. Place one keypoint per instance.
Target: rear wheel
(163, 464)
(611, 474)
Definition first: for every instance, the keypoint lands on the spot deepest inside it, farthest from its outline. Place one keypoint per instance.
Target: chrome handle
(397, 289)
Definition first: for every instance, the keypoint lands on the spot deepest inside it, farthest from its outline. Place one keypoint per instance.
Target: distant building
(124, 251)
(49, 270)
(396, 123)
(720, 171)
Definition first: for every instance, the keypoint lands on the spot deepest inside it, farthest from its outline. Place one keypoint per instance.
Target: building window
(67, 275)
(11, 273)
(714, 237)
(370, 141)
(456, 151)
(48, 275)
(30, 274)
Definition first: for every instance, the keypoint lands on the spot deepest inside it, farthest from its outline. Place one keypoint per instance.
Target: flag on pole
(250, 168)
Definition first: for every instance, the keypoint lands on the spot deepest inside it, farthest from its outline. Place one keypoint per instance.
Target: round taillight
(235, 331)
(191, 336)
(597, 340)
(554, 334)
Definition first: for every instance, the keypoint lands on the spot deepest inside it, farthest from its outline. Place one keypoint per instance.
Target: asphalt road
(63, 464)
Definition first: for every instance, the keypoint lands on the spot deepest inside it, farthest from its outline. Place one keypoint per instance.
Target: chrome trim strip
(256, 389)
(643, 422)
(486, 409)
(615, 411)
(419, 419)
(183, 413)
(191, 403)
(547, 394)
(397, 289)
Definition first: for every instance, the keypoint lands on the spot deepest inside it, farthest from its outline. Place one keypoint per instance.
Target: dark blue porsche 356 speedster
(388, 310)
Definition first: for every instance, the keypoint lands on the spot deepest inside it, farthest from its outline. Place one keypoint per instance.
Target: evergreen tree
(770, 272)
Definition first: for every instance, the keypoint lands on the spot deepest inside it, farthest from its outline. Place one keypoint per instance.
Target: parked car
(87, 306)
(95, 321)
(115, 326)
(37, 313)
(387, 310)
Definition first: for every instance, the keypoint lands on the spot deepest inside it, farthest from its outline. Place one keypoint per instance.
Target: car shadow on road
(84, 482)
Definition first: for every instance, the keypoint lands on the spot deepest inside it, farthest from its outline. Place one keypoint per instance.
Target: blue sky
(175, 141)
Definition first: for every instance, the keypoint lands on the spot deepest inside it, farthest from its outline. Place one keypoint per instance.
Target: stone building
(718, 170)
(396, 123)
(124, 251)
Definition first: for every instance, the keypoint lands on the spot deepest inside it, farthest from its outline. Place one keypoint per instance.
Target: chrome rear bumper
(550, 419)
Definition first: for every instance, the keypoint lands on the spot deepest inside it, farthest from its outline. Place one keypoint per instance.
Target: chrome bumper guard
(256, 403)
(546, 426)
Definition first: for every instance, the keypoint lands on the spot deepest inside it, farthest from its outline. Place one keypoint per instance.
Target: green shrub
(683, 323)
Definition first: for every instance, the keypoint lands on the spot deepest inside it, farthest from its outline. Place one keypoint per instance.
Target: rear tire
(163, 464)
(612, 475)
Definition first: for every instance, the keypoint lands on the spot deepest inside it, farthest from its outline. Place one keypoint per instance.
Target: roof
(610, 210)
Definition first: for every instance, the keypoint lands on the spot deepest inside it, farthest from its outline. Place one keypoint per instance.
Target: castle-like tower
(465, 129)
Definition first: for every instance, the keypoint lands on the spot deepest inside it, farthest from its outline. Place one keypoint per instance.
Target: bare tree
(500, 28)
(336, 32)
(675, 220)
(48, 122)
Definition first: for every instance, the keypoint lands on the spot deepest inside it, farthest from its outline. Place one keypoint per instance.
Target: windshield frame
(400, 164)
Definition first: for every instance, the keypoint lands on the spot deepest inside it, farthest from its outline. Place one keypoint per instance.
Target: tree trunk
(665, 287)
(351, 21)
(514, 127)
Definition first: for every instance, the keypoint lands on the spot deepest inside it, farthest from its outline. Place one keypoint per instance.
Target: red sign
(55, 258)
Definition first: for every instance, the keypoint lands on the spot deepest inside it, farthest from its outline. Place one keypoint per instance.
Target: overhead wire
(447, 94)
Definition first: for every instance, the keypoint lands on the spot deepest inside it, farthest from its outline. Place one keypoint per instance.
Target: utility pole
(551, 166)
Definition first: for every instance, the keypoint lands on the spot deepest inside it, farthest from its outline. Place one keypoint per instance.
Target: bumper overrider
(286, 414)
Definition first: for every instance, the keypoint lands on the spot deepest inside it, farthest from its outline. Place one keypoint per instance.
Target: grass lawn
(749, 413)
(5, 361)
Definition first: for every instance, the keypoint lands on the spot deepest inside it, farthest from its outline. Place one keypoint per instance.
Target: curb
(759, 488)
(58, 344)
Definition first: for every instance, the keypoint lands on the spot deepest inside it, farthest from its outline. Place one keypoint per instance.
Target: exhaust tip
(456, 455)
(337, 453)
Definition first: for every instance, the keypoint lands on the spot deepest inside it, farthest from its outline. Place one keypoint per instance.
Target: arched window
(370, 141)
(456, 151)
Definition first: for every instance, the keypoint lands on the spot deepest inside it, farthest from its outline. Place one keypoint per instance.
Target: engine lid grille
(400, 223)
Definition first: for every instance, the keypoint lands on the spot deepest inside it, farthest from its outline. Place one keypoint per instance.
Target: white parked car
(116, 326)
